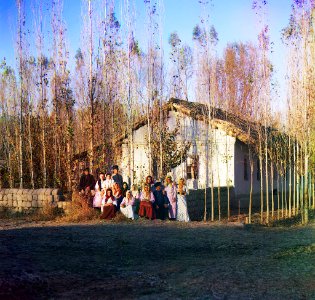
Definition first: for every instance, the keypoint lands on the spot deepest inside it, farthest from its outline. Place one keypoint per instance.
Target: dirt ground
(155, 260)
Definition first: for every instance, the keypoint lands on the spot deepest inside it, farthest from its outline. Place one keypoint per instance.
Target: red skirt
(108, 212)
(146, 210)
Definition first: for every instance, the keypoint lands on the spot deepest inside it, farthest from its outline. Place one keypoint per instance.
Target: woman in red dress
(108, 205)
(146, 203)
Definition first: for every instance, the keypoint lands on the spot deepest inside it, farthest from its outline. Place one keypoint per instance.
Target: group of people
(153, 200)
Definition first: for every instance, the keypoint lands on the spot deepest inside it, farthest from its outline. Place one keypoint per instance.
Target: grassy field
(155, 260)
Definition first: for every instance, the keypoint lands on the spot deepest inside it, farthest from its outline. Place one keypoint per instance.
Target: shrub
(79, 210)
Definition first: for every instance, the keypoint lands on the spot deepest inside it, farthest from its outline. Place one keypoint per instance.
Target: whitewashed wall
(140, 159)
(219, 159)
(226, 161)
(221, 162)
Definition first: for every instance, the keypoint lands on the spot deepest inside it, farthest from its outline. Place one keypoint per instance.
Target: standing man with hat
(116, 176)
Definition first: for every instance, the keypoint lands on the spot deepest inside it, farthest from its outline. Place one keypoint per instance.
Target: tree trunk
(272, 188)
(290, 180)
(91, 96)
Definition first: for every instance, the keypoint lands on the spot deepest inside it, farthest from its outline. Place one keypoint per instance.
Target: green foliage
(174, 152)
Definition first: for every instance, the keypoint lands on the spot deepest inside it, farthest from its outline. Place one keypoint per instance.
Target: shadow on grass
(131, 260)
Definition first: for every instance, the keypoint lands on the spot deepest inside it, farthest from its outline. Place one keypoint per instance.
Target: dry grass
(79, 210)
(47, 213)
(6, 213)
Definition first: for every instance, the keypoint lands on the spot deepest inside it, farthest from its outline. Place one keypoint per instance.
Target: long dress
(97, 200)
(171, 195)
(146, 206)
(108, 208)
(182, 211)
(127, 208)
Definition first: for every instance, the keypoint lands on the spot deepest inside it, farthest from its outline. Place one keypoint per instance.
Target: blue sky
(234, 21)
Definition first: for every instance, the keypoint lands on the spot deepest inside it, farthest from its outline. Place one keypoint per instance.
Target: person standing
(161, 202)
(171, 192)
(182, 211)
(116, 176)
(100, 189)
(87, 182)
(109, 182)
(149, 180)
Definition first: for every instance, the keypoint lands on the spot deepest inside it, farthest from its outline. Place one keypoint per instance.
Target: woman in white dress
(182, 211)
(127, 206)
(100, 189)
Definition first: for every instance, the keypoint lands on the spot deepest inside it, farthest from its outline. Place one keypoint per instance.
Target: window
(192, 167)
(245, 169)
(258, 170)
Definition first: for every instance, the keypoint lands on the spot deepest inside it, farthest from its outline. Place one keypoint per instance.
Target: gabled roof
(230, 123)
(233, 125)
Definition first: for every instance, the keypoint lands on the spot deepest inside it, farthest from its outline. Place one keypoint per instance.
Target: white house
(218, 153)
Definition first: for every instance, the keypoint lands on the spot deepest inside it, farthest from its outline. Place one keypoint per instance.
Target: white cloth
(108, 183)
(97, 200)
(182, 210)
(128, 211)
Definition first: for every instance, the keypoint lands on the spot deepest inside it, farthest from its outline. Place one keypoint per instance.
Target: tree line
(54, 106)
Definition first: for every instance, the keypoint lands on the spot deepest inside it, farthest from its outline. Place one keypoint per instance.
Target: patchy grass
(156, 260)
(296, 251)
(294, 220)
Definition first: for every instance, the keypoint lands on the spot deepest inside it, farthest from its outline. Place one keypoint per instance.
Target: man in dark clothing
(116, 176)
(161, 202)
(87, 182)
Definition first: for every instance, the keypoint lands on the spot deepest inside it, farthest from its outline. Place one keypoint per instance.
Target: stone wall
(27, 199)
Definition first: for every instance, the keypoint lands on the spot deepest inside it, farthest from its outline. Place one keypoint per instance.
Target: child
(161, 201)
(136, 196)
